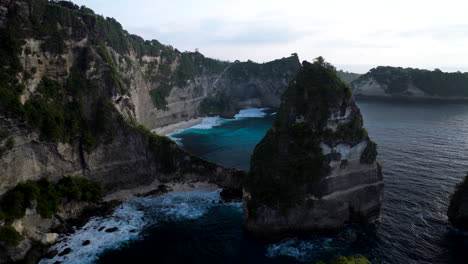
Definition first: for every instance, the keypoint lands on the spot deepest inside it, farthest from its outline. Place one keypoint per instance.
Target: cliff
(411, 83)
(316, 169)
(75, 89)
(458, 208)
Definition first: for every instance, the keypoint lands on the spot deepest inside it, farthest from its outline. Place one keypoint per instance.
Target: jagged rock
(51, 254)
(112, 230)
(65, 252)
(231, 195)
(316, 168)
(458, 208)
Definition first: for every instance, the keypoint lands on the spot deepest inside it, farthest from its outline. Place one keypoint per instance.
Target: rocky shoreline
(76, 216)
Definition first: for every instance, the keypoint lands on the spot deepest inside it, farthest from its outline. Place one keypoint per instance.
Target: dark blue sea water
(422, 146)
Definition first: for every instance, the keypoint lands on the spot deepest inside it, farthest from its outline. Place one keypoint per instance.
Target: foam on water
(130, 219)
(209, 123)
(251, 113)
(290, 248)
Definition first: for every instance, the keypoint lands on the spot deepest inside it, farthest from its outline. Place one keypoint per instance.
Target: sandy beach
(166, 130)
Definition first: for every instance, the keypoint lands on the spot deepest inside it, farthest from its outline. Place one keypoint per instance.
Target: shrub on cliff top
(10, 236)
(47, 195)
(357, 259)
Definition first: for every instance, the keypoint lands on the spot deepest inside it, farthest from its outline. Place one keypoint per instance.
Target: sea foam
(131, 218)
(251, 113)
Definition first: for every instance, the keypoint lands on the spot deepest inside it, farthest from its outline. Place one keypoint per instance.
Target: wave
(130, 219)
(209, 123)
(251, 113)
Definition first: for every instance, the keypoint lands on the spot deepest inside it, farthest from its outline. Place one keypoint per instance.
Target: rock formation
(458, 208)
(316, 168)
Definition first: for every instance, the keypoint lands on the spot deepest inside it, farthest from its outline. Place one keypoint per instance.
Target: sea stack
(316, 169)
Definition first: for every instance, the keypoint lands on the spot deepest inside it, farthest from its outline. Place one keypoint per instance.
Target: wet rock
(231, 195)
(51, 254)
(112, 229)
(86, 242)
(65, 252)
(101, 228)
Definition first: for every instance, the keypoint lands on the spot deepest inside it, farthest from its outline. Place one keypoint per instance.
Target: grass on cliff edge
(356, 259)
(46, 196)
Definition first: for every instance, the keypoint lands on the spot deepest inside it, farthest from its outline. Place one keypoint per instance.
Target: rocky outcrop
(316, 169)
(408, 83)
(458, 208)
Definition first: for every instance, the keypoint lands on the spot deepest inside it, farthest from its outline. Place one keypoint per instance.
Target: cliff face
(411, 83)
(236, 86)
(70, 101)
(316, 169)
(458, 208)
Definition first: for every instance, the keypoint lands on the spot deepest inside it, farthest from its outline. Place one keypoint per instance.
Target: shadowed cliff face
(316, 169)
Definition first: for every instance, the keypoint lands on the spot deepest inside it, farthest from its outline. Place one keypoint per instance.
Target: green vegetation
(458, 198)
(279, 67)
(353, 131)
(114, 75)
(10, 66)
(217, 104)
(48, 196)
(159, 96)
(369, 154)
(435, 82)
(357, 259)
(55, 43)
(161, 146)
(10, 236)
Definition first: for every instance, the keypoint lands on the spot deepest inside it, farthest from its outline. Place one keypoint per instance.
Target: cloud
(224, 32)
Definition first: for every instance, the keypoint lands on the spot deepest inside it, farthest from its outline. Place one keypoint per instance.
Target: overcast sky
(353, 35)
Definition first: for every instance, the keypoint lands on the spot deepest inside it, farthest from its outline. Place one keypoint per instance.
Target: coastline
(170, 129)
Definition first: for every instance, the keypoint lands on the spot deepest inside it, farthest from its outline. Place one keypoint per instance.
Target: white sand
(166, 130)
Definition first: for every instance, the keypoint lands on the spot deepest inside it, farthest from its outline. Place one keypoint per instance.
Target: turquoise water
(234, 140)
(422, 146)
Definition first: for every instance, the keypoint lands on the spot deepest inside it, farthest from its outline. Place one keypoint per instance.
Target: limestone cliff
(316, 169)
(411, 83)
(458, 208)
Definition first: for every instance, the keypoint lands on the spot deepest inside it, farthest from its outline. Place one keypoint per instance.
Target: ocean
(422, 147)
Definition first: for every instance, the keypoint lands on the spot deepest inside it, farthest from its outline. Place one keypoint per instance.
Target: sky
(353, 35)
